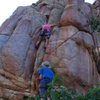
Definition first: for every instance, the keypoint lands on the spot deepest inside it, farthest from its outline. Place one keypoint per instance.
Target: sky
(7, 7)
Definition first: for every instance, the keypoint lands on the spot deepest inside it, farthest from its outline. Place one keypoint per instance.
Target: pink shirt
(46, 26)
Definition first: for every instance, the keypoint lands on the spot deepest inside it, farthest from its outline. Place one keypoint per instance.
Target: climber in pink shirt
(46, 27)
(44, 35)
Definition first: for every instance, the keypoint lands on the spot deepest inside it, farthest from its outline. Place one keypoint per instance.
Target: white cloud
(7, 7)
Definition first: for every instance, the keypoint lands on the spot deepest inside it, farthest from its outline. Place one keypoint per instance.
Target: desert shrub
(93, 93)
(95, 23)
(57, 91)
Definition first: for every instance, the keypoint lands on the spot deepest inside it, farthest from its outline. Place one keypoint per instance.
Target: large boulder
(18, 36)
(74, 14)
(68, 52)
(96, 33)
(53, 9)
(96, 8)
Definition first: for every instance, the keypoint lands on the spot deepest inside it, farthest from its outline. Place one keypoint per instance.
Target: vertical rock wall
(69, 49)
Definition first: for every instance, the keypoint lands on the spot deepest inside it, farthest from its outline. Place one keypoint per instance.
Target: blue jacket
(46, 73)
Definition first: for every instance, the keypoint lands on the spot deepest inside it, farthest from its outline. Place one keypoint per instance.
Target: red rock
(96, 8)
(55, 15)
(16, 48)
(75, 15)
(75, 1)
(71, 60)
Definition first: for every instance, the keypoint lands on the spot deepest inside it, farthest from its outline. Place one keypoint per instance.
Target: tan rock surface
(69, 49)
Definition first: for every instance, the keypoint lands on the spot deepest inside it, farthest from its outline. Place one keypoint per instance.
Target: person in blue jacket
(45, 76)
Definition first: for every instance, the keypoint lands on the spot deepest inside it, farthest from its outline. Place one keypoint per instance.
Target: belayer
(45, 76)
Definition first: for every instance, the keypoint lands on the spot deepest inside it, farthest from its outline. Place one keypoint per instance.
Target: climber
(45, 76)
(44, 35)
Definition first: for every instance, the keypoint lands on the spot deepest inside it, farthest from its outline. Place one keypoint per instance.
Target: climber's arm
(55, 24)
(40, 76)
(40, 72)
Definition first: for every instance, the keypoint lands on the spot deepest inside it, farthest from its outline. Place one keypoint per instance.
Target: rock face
(70, 58)
(74, 14)
(96, 7)
(96, 33)
(69, 49)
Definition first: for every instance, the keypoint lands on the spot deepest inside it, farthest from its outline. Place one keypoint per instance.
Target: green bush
(56, 91)
(95, 23)
(93, 93)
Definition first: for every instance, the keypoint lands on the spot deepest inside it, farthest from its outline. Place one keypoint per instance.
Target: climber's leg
(46, 42)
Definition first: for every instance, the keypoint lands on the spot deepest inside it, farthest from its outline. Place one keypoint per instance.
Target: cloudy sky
(7, 7)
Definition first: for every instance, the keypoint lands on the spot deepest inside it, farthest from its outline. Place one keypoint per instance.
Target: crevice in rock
(66, 40)
(95, 52)
(31, 67)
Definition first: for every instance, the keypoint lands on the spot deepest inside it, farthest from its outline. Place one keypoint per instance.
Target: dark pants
(44, 36)
(45, 39)
(43, 86)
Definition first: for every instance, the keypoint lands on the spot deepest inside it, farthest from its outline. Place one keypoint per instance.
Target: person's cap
(46, 64)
